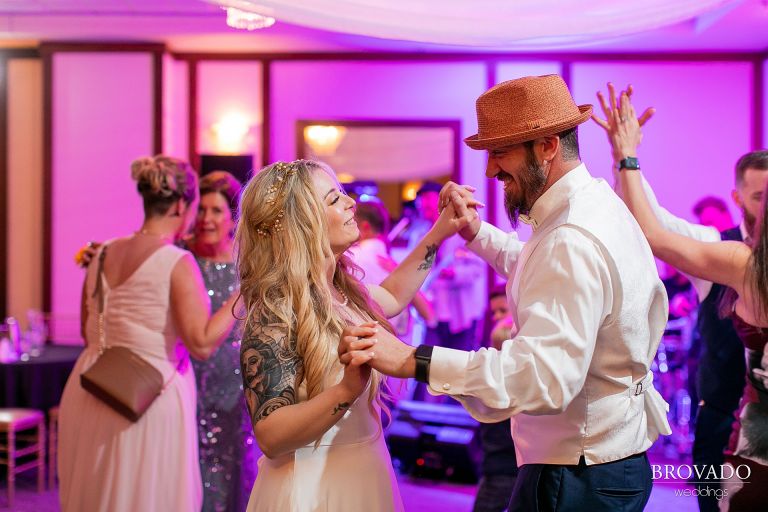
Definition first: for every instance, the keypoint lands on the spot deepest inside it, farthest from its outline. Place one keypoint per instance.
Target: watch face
(631, 163)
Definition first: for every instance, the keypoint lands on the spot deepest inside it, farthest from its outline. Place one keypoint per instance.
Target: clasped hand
(371, 344)
(458, 210)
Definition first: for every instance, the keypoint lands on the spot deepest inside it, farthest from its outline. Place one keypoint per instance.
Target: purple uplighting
(390, 89)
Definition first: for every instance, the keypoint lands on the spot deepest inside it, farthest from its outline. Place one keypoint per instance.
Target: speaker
(437, 441)
(240, 166)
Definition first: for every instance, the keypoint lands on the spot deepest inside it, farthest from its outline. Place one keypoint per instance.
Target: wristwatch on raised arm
(423, 357)
(629, 163)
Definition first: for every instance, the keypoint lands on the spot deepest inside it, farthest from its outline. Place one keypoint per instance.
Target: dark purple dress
(749, 440)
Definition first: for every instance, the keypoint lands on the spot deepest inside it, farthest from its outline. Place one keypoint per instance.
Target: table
(39, 382)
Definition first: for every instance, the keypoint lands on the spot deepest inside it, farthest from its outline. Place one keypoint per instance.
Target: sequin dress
(227, 446)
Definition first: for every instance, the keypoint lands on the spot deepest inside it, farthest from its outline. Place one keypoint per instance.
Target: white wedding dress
(350, 470)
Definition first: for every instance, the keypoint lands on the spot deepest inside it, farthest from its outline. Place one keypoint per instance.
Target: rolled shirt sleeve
(563, 299)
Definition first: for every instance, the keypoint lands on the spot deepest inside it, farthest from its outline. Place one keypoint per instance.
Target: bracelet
(423, 357)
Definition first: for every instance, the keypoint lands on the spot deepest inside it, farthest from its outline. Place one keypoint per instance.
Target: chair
(22, 422)
(53, 437)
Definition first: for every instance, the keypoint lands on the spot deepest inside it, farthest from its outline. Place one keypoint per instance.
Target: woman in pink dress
(156, 305)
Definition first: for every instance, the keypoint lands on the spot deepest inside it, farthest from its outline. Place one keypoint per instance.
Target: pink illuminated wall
(226, 89)
(702, 125)
(102, 120)
(764, 93)
(368, 90)
(175, 107)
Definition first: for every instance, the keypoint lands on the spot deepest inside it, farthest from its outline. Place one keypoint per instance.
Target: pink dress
(106, 462)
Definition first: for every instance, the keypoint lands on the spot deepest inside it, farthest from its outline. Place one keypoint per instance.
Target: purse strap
(98, 293)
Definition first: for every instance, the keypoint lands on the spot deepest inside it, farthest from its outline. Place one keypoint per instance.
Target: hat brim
(585, 112)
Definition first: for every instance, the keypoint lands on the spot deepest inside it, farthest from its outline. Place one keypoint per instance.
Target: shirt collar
(558, 193)
(744, 233)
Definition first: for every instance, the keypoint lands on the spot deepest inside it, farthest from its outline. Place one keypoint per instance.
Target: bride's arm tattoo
(342, 406)
(271, 370)
(429, 258)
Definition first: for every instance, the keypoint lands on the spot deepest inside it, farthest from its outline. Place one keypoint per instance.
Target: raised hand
(458, 201)
(621, 124)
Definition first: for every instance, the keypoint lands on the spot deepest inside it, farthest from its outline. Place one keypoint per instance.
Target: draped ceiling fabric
(534, 24)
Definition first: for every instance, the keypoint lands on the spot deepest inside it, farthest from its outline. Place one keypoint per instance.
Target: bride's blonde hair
(282, 246)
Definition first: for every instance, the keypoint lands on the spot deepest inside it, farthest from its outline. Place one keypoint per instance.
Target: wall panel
(25, 181)
(175, 107)
(227, 89)
(702, 125)
(102, 119)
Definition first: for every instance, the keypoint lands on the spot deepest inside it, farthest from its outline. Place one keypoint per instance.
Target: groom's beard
(530, 182)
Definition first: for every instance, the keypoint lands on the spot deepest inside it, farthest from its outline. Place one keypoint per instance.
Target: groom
(586, 298)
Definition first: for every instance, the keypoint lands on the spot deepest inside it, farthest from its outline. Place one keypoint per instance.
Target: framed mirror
(384, 160)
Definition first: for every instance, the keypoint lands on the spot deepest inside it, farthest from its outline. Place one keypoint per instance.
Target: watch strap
(423, 357)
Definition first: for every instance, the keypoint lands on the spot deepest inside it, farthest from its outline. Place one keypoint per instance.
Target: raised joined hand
(621, 124)
(459, 202)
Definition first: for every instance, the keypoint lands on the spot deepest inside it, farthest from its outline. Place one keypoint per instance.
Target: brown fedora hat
(525, 109)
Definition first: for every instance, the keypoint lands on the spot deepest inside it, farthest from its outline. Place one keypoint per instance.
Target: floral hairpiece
(283, 170)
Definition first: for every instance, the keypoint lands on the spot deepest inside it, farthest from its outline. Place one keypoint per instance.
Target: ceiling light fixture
(517, 24)
(245, 20)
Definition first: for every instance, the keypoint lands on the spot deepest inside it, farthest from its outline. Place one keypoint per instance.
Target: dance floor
(418, 494)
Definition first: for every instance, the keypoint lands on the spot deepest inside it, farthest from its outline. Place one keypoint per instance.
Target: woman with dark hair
(153, 303)
(743, 267)
(227, 447)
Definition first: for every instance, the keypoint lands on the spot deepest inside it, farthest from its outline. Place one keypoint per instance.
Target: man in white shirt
(587, 301)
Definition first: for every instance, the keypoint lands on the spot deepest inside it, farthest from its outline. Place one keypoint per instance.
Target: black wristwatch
(423, 358)
(630, 163)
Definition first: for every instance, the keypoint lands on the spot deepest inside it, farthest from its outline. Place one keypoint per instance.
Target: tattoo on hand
(429, 258)
(343, 406)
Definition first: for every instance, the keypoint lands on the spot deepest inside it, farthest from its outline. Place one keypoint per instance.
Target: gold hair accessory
(283, 170)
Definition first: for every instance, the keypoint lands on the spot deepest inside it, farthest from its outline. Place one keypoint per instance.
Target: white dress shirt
(591, 310)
